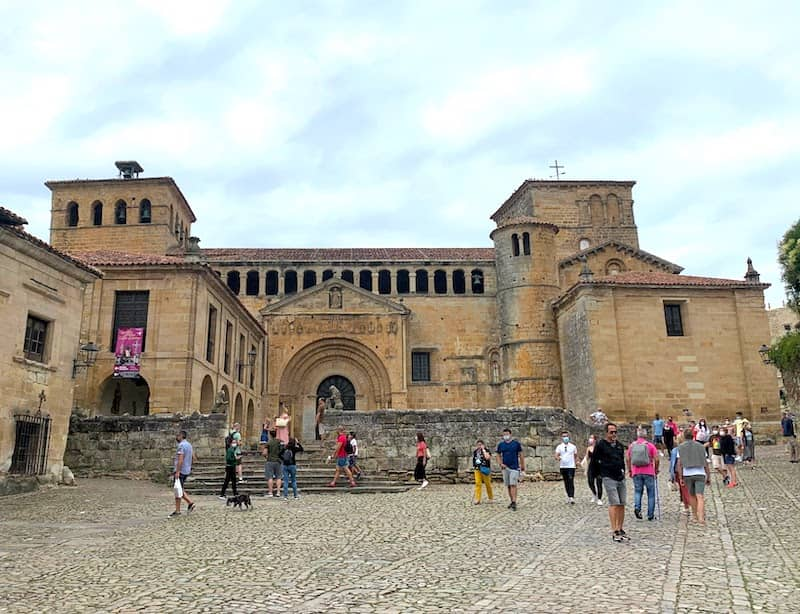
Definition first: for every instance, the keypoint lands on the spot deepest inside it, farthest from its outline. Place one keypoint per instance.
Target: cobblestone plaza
(107, 545)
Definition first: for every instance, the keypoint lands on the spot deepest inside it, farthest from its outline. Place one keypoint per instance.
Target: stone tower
(527, 283)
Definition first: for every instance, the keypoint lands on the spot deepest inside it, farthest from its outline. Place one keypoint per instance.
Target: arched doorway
(249, 426)
(206, 395)
(345, 387)
(238, 409)
(124, 396)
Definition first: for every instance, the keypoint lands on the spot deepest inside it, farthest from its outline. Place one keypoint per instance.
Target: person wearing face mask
(482, 468)
(595, 481)
(566, 454)
(182, 467)
(701, 432)
(713, 444)
(512, 462)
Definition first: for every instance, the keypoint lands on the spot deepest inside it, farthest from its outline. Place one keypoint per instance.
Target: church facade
(562, 309)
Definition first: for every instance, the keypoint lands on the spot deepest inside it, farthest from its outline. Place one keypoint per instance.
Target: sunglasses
(612, 432)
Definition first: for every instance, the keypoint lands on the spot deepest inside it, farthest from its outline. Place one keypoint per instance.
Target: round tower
(527, 283)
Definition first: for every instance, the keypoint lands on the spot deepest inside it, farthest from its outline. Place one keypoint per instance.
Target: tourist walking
(670, 432)
(265, 429)
(675, 478)
(789, 436)
(482, 469)
(230, 469)
(282, 425)
(566, 452)
(512, 462)
(595, 481)
(692, 471)
(273, 469)
(352, 455)
(289, 460)
(609, 461)
(235, 434)
(181, 468)
(702, 433)
(658, 432)
(642, 460)
(423, 455)
(727, 446)
(738, 427)
(716, 453)
(748, 444)
(340, 454)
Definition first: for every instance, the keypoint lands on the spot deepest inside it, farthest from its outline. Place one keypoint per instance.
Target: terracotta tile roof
(525, 219)
(395, 254)
(18, 231)
(622, 248)
(103, 257)
(641, 278)
(9, 218)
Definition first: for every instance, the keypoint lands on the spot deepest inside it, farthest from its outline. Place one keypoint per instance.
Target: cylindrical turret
(527, 283)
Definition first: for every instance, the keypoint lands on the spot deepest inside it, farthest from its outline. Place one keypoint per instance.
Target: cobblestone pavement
(107, 545)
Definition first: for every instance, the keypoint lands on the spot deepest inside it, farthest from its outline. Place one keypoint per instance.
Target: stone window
(226, 363)
(674, 319)
(584, 243)
(240, 362)
(440, 282)
(614, 267)
(97, 213)
(253, 368)
(309, 279)
(35, 338)
(494, 368)
(403, 282)
(421, 281)
(459, 282)
(365, 280)
(347, 275)
(515, 244)
(271, 283)
(384, 282)
(145, 211)
(234, 283)
(613, 209)
(526, 243)
(211, 334)
(130, 311)
(477, 281)
(251, 283)
(121, 212)
(72, 214)
(290, 282)
(327, 274)
(420, 366)
(596, 207)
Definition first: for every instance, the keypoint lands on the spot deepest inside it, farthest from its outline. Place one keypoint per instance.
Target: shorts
(729, 459)
(658, 439)
(351, 460)
(183, 477)
(615, 491)
(510, 476)
(272, 470)
(695, 484)
(341, 461)
(716, 461)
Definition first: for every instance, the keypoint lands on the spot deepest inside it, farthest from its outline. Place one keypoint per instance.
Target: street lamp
(764, 352)
(87, 354)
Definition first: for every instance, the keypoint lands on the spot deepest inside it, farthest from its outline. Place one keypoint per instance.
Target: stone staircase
(313, 476)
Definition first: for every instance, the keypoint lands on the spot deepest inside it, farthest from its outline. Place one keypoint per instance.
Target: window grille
(31, 443)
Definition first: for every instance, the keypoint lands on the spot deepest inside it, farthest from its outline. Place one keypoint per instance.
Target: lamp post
(87, 354)
(764, 352)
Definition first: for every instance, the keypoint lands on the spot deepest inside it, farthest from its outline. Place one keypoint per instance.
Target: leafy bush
(789, 259)
(785, 353)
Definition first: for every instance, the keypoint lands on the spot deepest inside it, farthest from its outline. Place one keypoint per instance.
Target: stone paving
(107, 545)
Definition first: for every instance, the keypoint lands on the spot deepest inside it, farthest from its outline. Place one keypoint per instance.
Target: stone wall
(138, 446)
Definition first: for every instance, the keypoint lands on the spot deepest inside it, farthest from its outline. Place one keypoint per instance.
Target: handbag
(177, 488)
(485, 470)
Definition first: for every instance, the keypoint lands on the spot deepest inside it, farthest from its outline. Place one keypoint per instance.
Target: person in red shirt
(340, 454)
(422, 460)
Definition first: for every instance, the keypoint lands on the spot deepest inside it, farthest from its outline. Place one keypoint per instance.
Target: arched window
(422, 281)
(72, 214)
(121, 212)
(440, 282)
(327, 274)
(234, 283)
(584, 243)
(309, 279)
(271, 283)
(515, 244)
(614, 267)
(290, 282)
(347, 275)
(97, 213)
(477, 281)
(251, 285)
(459, 282)
(365, 280)
(596, 207)
(403, 282)
(494, 368)
(613, 210)
(384, 282)
(145, 211)
(526, 244)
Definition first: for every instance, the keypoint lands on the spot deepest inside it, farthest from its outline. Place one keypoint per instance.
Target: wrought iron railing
(31, 444)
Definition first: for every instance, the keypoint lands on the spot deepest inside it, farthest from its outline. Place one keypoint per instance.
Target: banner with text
(128, 352)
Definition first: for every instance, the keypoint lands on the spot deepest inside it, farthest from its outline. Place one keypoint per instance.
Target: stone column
(449, 279)
(374, 282)
(281, 284)
(412, 282)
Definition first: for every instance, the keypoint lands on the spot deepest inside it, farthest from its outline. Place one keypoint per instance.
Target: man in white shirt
(566, 453)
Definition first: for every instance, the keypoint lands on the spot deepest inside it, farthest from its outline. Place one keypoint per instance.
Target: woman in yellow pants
(481, 463)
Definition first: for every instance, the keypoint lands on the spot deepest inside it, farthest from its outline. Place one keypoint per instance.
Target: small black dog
(239, 501)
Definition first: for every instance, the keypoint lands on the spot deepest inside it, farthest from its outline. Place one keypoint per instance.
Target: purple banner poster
(128, 352)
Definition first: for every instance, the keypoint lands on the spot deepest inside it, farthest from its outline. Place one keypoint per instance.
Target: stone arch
(613, 210)
(615, 267)
(234, 281)
(72, 213)
(238, 409)
(97, 213)
(145, 211)
(206, 395)
(251, 286)
(121, 212)
(250, 421)
(476, 277)
(597, 209)
(119, 395)
(326, 357)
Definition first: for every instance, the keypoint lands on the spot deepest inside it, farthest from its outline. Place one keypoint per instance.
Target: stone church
(561, 309)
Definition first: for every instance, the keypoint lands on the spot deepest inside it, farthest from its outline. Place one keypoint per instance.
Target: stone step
(212, 487)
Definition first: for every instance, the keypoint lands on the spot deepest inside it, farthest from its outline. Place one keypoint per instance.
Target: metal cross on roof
(558, 168)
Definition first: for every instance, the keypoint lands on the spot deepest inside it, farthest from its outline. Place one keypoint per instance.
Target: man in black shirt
(608, 461)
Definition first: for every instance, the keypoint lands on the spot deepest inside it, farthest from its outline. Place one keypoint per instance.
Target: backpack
(639, 455)
(348, 447)
(287, 456)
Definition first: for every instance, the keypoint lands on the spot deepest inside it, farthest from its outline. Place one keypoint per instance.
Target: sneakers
(423, 485)
(242, 481)
(594, 499)
(650, 517)
(513, 506)
(617, 537)
(571, 500)
(190, 508)
(726, 480)
(222, 498)
(353, 484)
(732, 485)
(624, 535)
(174, 514)
(599, 502)
(638, 514)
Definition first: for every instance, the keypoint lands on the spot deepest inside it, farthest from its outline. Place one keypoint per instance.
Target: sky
(399, 124)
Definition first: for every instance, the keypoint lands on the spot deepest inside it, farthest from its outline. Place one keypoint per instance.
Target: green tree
(789, 259)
